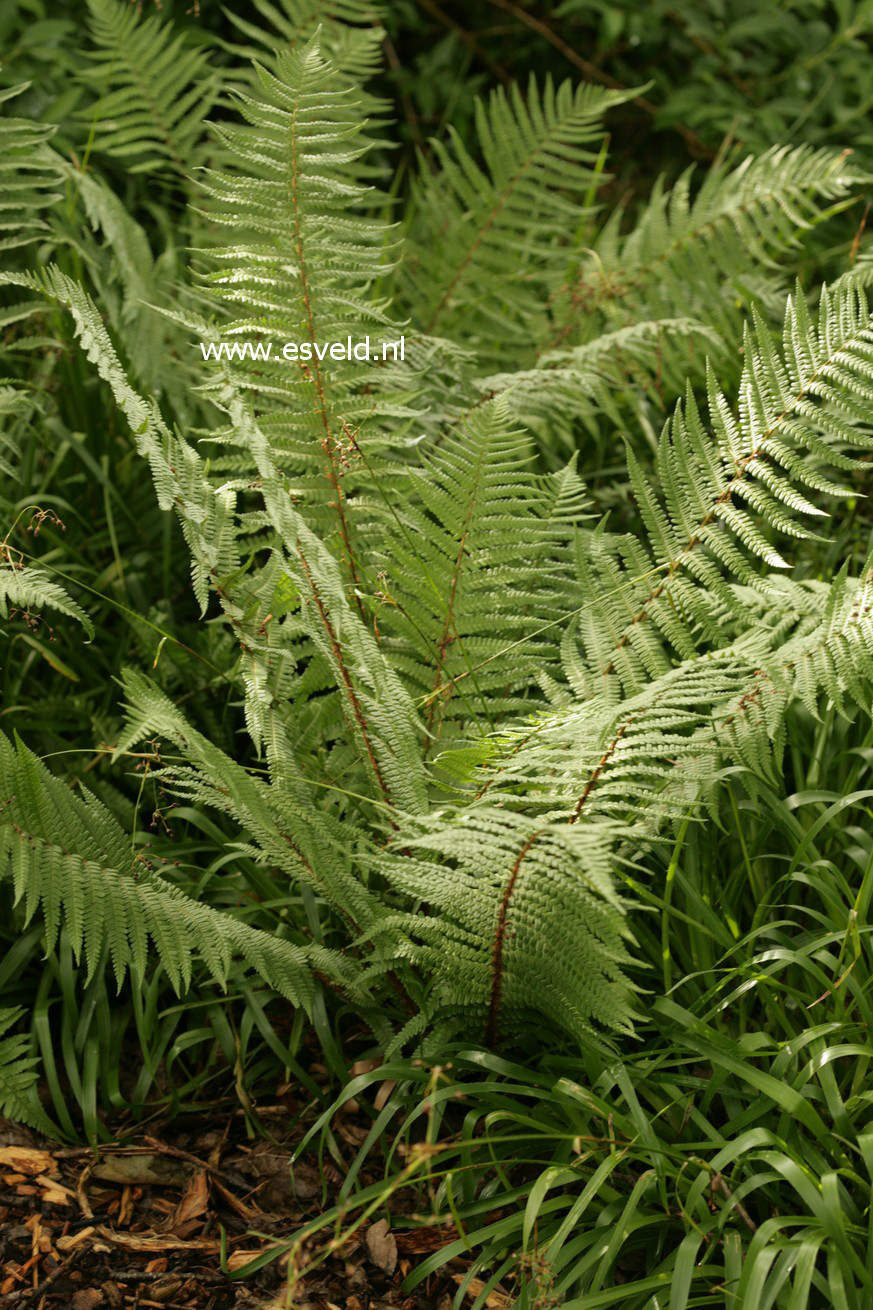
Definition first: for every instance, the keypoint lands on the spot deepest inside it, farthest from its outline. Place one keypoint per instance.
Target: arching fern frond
(67, 856)
(724, 488)
(700, 254)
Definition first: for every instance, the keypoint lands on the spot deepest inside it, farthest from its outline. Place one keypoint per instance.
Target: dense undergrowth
(498, 716)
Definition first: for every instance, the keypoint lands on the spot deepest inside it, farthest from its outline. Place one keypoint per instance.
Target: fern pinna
(476, 704)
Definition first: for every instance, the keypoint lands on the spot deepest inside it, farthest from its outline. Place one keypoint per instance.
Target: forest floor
(139, 1224)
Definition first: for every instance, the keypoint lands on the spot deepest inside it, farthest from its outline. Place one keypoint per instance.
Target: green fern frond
(348, 31)
(28, 590)
(472, 565)
(160, 90)
(18, 1078)
(30, 177)
(700, 254)
(523, 919)
(722, 491)
(67, 856)
(490, 243)
(308, 247)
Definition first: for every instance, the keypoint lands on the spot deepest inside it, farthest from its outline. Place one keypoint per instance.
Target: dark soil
(139, 1224)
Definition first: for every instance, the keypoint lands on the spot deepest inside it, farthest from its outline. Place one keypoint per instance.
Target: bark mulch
(138, 1225)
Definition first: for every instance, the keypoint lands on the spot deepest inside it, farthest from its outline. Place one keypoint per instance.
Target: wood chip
(475, 1287)
(73, 1240)
(87, 1299)
(25, 1160)
(193, 1204)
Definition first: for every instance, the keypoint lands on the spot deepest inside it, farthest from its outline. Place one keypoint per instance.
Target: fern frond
(30, 178)
(306, 254)
(721, 492)
(18, 1078)
(67, 855)
(489, 243)
(523, 919)
(698, 254)
(658, 755)
(348, 31)
(160, 90)
(471, 567)
(28, 590)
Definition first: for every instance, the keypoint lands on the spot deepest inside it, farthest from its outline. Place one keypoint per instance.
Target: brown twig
(595, 74)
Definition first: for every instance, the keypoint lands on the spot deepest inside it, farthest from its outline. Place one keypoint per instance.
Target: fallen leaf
(155, 1170)
(25, 1160)
(193, 1203)
(381, 1246)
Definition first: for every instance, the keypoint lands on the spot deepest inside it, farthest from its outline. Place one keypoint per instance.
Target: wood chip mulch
(138, 1225)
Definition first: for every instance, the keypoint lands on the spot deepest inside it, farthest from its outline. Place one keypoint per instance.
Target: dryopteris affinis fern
(474, 704)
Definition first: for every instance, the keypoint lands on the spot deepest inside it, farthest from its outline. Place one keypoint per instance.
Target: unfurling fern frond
(67, 856)
(160, 91)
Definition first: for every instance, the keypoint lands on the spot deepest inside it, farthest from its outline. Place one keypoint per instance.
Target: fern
(28, 589)
(160, 91)
(474, 563)
(68, 855)
(812, 397)
(348, 32)
(30, 177)
(305, 256)
(18, 1077)
(473, 710)
(475, 223)
(699, 253)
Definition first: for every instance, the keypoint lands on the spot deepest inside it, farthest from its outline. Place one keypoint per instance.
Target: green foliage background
(454, 714)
